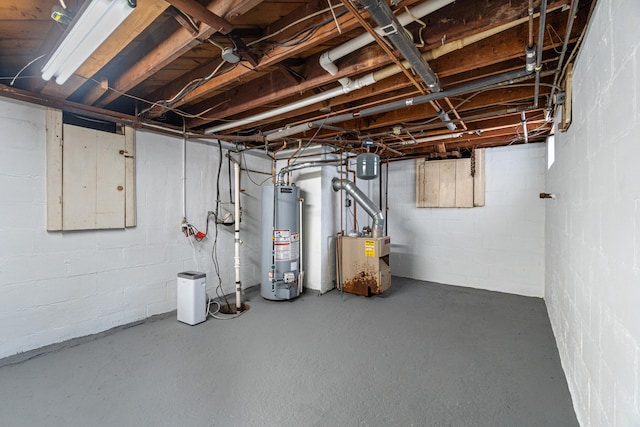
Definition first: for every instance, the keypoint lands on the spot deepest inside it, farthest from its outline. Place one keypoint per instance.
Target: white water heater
(280, 277)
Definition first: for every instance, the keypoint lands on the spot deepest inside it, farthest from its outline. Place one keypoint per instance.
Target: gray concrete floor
(422, 354)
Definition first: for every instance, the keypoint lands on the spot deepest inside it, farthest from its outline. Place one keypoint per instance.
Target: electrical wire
(194, 253)
(313, 15)
(297, 155)
(249, 175)
(187, 89)
(354, 217)
(217, 311)
(24, 68)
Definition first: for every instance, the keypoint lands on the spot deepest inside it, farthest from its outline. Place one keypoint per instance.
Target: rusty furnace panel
(364, 265)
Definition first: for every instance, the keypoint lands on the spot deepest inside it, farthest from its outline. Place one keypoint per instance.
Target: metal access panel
(363, 265)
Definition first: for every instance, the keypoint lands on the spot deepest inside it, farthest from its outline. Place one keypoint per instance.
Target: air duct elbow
(370, 208)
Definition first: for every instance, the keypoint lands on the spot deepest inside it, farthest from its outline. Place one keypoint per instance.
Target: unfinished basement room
(288, 213)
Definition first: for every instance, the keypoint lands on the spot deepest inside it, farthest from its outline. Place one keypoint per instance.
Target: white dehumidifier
(192, 297)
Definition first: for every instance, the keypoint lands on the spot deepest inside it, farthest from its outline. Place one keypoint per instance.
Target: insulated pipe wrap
(364, 201)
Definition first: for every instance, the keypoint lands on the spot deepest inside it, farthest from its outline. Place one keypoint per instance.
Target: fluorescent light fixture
(87, 31)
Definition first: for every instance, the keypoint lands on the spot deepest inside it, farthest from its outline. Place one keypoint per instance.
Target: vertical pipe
(543, 17)
(236, 257)
(184, 170)
(523, 119)
(565, 44)
(301, 247)
(386, 200)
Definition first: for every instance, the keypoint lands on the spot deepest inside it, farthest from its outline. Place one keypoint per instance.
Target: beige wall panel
(110, 183)
(447, 184)
(478, 179)
(464, 184)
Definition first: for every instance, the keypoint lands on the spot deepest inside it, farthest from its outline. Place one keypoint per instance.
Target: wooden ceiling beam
(168, 50)
(202, 14)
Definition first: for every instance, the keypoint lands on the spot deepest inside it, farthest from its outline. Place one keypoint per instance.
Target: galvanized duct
(394, 31)
(378, 219)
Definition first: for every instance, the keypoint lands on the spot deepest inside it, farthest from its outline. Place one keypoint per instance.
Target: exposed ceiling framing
(164, 66)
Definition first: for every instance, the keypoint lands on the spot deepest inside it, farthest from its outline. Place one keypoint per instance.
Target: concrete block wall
(593, 225)
(59, 285)
(498, 247)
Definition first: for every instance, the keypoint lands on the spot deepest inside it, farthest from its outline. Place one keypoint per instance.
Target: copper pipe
(355, 210)
(273, 162)
(293, 155)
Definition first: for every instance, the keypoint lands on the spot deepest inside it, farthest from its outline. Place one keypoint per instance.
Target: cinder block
(17, 298)
(624, 42)
(22, 215)
(27, 269)
(624, 363)
(121, 238)
(63, 289)
(60, 241)
(164, 234)
(160, 307)
(162, 272)
(626, 414)
(142, 296)
(108, 282)
(16, 188)
(94, 261)
(144, 255)
(22, 156)
(16, 243)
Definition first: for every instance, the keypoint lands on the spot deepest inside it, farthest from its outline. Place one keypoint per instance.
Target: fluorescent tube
(87, 32)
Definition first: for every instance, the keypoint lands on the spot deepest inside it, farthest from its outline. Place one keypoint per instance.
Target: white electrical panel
(192, 297)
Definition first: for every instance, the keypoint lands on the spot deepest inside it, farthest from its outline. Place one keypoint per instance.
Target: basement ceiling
(164, 66)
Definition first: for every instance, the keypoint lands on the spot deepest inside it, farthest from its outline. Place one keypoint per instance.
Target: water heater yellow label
(369, 248)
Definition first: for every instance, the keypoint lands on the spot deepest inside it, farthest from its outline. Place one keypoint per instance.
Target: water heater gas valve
(289, 277)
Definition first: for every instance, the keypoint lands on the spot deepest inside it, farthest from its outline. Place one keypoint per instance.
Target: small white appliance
(192, 297)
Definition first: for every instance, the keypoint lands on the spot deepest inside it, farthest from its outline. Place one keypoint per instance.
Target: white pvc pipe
(184, 175)
(236, 255)
(423, 9)
(436, 138)
(347, 87)
(284, 109)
